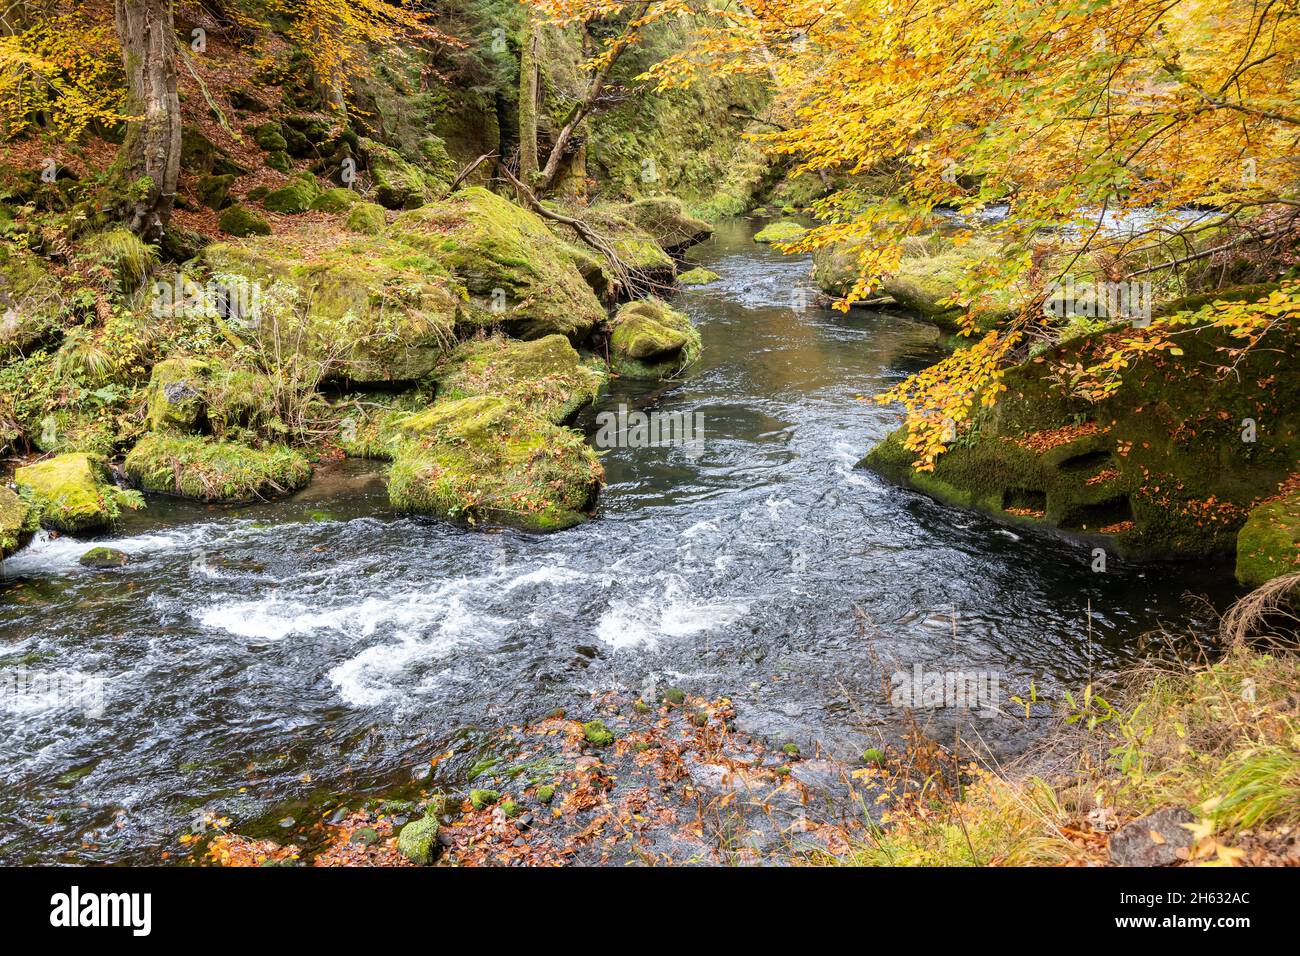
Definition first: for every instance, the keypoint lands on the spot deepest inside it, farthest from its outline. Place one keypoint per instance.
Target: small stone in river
(103, 558)
(287, 822)
(367, 835)
(597, 733)
(418, 841)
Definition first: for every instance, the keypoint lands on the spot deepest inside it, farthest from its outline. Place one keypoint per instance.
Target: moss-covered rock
(269, 137)
(418, 840)
(214, 191)
(337, 199)
(217, 471)
(295, 196)
(637, 250)
(368, 422)
(485, 459)
(29, 301)
(376, 311)
(664, 219)
(647, 339)
(176, 394)
(698, 276)
(367, 218)
(240, 221)
(102, 559)
(280, 162)
(72, 493)
(483, 798)
(523, 277)
(546, 376)
(1268, 544)
(1163, 467)
(15, 522)
(597, 734)
(398, 184)
(782, 231)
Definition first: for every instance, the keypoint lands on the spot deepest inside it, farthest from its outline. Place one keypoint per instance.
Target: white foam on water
(24, 692)
(674, 613)
(550, 574)
(48, 554)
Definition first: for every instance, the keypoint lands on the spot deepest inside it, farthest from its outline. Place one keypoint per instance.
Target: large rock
(1167, 465)
(666, 221)
(647, 339)
(523, 277)
(398, 184)
(546, 376)
(15, 524)
(638, 252)
(1268, 544)
(176, 394)
(376, 311)
(192, 396)
(72, 493)
(485, 459)
(216, 471)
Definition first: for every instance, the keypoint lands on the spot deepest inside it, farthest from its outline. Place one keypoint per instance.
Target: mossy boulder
(214, 191)
(15, 522)
(337, 199)
(280, 162)
(29, 301)
(488, 460)
(418, 840)
(597, 734)
(522, 277)
(376, 311)
(546, 376)
(397, 183)
(367, 218)
(1268, 544)
(368, 422)
(270, 137)
(72, 493)
(1162, 467)
(295, 196)
(176, 394)
(782, 231)
(698, 276)
(103, 559)
(647, 339)
(637, 250)
(664, 219)
(206, 469)
(240, 222)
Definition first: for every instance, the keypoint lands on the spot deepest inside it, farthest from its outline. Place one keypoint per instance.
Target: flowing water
(247, 657)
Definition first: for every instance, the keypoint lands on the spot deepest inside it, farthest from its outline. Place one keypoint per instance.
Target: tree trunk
(528, 101)
(152, 150)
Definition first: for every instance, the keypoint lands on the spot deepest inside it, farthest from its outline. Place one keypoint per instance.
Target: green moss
(873, 756)
(1157, 469)
(123, 254)
(398, 184)
(240, 221)
(15, 522)
(337, 199)
(270, 138)
(1268, 544)
(545, 793)
(597, 734)
(72, 493)
(522, 277)
(673, 696)
(280, 162)
(214, 191)
(31, 295)
(698, 276)
(637, 249)
(216, 471)
(103, 558)
(790, 750)
(295, 196)
(648, 339)
(546, 376)
(418, 840)
(176, 394)
(367, 217)
(782, 231)
(483, 798)
(376, 311)
(485, 459)
(511, 809)
(665, 221)
(369, 423)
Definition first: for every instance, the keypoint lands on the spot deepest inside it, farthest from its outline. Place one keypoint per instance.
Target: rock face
(664, 219)
(209, 470)
(15, 526)
(485, 459)
(647, 339)
(1163, 467)
(546, 376)
(72, 493)
(1135, 845)
(522, 277)
(376, 310)
(1268, 544)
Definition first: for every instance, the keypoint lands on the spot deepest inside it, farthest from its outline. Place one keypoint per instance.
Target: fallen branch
(464, 173)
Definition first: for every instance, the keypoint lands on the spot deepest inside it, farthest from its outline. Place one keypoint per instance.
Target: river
(255, 655)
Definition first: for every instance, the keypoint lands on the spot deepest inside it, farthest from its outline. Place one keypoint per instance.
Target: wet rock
(1268, 544)
(1153, 840)
(782, 231)
(15, 522)
(698, 276)
(418, 841)
(103, 558)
